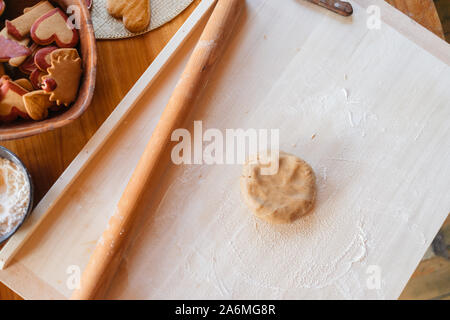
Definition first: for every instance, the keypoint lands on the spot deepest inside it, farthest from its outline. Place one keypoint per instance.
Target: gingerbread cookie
(13, 51)
(54, 27)
(36, 78)
(42, 58)
(21, 26)
(11, 102)
(63, 77)
(54, 73)
(135, 14)
(37, 104)
(25, 83)
(28, 65)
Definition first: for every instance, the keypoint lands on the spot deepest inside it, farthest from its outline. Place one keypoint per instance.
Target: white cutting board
(368, 109)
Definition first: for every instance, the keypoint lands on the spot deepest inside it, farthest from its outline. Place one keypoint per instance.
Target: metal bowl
(7, 154)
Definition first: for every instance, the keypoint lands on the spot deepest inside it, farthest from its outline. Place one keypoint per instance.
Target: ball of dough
(281, 197)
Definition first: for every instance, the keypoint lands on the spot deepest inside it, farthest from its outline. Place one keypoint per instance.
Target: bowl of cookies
(47, 65)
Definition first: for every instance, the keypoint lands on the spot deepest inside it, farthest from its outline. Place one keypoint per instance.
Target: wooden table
(48, 155)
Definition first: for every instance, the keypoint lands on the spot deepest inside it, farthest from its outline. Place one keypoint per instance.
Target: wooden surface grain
(443, 9)
(105, 259)
(423, 12)
(431, 280)
(48, 155)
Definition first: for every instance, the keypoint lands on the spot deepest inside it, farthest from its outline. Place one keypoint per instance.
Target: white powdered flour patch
(310, 253)
(14, 196)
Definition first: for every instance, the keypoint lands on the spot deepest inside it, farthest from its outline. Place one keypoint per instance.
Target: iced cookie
(13, 51)
(21, 26)
(42, 59)
(54, 27)
(63, 77)
(11, 102)
(36, 78)
(28, 66)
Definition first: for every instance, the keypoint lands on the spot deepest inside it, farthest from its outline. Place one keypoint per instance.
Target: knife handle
(340, 7)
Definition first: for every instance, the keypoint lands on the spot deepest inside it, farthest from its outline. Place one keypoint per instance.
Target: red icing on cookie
(54, 27)
(12, 30)
(49, 85)
(20, 27)
(36, 78)
(42, 58)
(28, 66)
(11, 102)
(88, 4)
(11, 49)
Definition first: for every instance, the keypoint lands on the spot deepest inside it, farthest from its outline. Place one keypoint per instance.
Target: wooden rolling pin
(108, 253)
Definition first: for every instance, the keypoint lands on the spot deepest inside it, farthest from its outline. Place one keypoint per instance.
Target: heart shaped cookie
(54, 27)
(37, 104)
(135, 14)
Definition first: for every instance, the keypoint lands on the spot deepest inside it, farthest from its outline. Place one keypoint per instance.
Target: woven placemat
(107, 27)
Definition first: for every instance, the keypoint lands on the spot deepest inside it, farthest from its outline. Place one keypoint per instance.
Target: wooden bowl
(87, 49)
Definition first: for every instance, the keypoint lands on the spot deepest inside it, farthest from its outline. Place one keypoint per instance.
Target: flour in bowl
(14, 196)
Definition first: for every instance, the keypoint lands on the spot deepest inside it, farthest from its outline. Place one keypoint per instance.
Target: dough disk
(282, 197)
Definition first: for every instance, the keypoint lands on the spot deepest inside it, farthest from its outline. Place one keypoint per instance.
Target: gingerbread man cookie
(63, 76)
(135, 14)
